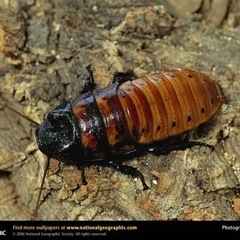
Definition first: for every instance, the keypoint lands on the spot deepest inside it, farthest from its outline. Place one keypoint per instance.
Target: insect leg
(128, 170)
(82, 169)
(90, 85)
(165, 149)
(121, 77)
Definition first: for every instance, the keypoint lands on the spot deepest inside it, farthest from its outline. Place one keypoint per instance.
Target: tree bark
(45, 48)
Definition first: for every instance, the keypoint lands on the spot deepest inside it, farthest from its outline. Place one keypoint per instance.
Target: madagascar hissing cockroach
(131, 115)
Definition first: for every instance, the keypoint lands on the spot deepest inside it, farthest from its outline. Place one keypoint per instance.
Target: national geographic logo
(3, 233)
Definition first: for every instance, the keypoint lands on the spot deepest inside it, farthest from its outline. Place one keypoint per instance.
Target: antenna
(41, 187)
(48, 159)
(19, 114)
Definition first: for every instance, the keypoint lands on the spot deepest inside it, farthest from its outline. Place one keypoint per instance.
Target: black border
(114, 229)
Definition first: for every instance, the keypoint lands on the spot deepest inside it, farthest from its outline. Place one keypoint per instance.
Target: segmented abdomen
(167, 104)
(147, 109)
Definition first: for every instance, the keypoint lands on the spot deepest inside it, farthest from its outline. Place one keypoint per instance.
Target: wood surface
(45, 49)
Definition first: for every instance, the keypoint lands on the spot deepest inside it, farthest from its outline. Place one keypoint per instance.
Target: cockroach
(130, 115)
